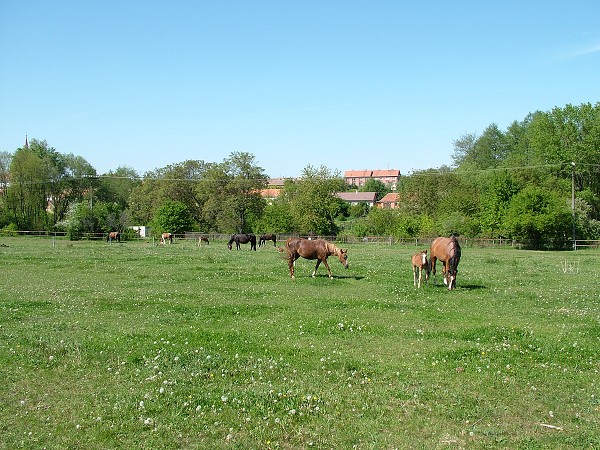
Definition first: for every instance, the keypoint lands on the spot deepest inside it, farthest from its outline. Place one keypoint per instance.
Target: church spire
(26, 142)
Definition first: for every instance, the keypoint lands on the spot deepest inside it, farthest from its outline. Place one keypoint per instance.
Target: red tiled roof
(270, 193)
(386, 173)
(392, 197)
(357, 173)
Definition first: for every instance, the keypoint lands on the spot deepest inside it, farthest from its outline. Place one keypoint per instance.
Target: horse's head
(426, 265)
(450, 277)
(343, 257)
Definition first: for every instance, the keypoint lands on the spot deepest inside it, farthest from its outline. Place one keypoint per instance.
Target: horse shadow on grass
(463, 286)
(334, 277)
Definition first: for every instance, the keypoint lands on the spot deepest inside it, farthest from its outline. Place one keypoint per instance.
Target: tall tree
(243, 200)
(27, 196)
(313, 203)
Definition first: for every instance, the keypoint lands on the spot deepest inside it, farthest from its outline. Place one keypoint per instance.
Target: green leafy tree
(116, 187)
(243, 200)
(373, 185)
(276, 218)
(483, 152)
(495, 200)
(313, 202)
(27, 195)
(82, 219)
(172, 217)
(538, 217)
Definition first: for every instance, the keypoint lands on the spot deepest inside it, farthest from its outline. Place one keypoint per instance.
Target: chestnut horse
(166, 237)
(420, 263)
(242, 239)
(318, 249)
(267, 237)
(447, 250)
(113, 235)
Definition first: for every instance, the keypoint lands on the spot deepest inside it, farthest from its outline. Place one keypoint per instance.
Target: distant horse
(447, 250)
(267, 237)
(202, 239)
(166, 237)
(113, 235)
(242, 239)
(420, 264)
(318, 249)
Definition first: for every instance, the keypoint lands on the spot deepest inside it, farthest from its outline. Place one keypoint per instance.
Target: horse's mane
(455, 253)
(331, 249)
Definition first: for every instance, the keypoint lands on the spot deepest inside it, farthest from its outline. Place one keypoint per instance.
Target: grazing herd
(445, 249)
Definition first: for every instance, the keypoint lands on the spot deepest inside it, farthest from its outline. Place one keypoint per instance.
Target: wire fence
(500, 242)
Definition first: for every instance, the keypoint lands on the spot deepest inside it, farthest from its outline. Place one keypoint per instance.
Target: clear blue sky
(344, 84)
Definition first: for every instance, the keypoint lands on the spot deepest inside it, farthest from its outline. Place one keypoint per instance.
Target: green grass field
(139, 346)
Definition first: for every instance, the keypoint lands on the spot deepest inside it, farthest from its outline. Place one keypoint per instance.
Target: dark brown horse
(318, 249)
(420, 264)
(202, 239)
(113, 235)
(242, 239)
(447, 250)
(267, 237)
(166, 237)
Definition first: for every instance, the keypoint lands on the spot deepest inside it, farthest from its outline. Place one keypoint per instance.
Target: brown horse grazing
(420, 263)
(267, 237)
(318, 249)
(166, 237)
(242, 239)
(113, 235)
(447, 250)
(202, 239)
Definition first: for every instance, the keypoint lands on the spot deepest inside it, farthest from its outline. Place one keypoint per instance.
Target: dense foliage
(516, 183)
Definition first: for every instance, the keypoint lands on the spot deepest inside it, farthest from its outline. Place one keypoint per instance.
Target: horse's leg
(292, 257)
(328, 269)
(446, 268)
(432, 263)
(316, 267)
(414, 275)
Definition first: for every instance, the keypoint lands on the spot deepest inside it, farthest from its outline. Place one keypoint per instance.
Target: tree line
(517, 183)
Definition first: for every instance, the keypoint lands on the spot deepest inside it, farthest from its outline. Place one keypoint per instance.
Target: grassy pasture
(139, 346)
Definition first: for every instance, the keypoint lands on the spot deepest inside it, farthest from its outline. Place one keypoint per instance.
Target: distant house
(389, 201)
(357, 177)
(389, 177)
(270, 194)
(354, 198)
